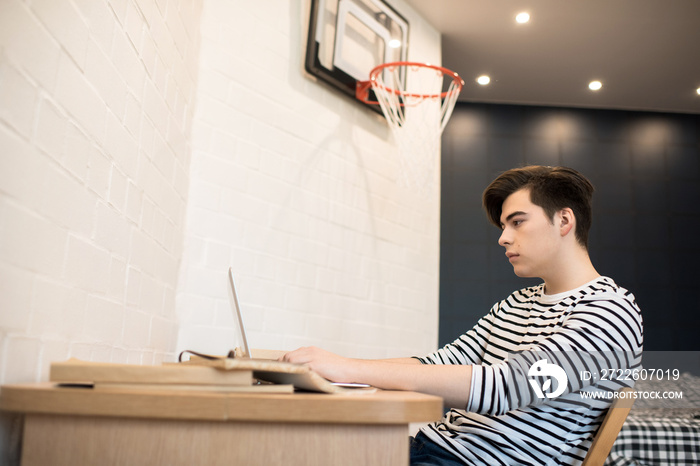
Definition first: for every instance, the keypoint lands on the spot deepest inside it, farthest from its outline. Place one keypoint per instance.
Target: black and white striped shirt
(504, 422)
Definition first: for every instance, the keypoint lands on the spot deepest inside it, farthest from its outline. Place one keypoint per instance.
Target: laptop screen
(237, 314)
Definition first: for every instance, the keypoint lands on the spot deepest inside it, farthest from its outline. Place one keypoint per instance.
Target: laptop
(245, 349)
(237, 315)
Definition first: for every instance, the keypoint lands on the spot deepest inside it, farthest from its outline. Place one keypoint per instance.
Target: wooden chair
(609, 429)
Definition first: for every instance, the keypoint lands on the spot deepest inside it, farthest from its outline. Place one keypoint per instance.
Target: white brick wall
(120, 210)
(295, 187)
(96, 103)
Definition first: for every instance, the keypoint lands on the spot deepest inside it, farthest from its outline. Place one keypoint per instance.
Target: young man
(576, 319)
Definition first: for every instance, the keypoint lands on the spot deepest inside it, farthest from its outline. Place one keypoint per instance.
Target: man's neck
(573, 273)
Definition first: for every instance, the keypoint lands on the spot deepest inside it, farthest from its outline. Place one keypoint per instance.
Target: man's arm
(451, 382)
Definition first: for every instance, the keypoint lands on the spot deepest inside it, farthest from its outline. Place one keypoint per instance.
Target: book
(77, 371)
(254, 388)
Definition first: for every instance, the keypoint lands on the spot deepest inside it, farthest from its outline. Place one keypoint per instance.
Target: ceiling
(645, 52)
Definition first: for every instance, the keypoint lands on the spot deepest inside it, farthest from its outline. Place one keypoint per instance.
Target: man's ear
(567, 221)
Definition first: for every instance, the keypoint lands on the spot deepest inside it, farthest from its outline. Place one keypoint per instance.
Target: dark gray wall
(646, 225)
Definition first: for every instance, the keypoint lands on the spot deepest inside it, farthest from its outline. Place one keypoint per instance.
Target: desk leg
(72, 440)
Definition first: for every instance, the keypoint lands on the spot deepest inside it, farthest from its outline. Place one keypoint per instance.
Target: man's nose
(504, 239)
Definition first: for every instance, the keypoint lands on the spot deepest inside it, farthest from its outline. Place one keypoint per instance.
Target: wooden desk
(81, 426)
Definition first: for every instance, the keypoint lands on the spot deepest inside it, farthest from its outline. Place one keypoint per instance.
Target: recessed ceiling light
(595, 85)
(523, 17)
(698, 90)
(483, 80)
(394, 43)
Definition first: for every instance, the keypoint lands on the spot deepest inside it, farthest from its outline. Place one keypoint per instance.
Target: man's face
(530, 238)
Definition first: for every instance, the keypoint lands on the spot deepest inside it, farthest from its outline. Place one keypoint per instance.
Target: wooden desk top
(382, 407)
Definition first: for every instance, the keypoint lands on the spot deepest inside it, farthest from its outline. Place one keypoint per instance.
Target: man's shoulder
(606, 288)
(605, 297)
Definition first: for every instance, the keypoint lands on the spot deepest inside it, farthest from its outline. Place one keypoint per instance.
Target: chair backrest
(610, 428)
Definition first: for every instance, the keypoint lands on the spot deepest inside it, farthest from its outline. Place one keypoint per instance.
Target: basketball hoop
(417, 100)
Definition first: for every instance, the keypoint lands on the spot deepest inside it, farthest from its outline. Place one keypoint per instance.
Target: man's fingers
(298, 356)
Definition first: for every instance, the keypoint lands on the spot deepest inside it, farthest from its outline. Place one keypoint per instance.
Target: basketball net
(417, 100)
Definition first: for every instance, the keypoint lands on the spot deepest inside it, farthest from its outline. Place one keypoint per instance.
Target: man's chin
(523, 273)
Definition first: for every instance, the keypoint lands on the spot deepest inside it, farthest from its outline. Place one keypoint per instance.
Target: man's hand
(451, 382)
(326, 364)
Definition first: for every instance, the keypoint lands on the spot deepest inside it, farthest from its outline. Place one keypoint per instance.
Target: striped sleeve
(604, 331)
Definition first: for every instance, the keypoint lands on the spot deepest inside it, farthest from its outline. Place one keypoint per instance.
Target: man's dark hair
(552, 188)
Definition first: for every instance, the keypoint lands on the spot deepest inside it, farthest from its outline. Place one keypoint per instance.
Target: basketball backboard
(348, 38)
